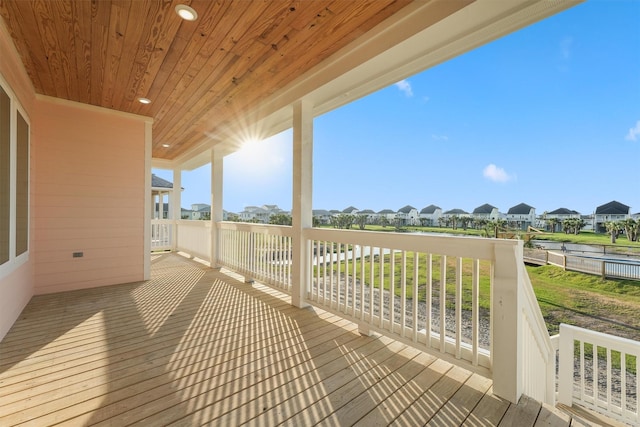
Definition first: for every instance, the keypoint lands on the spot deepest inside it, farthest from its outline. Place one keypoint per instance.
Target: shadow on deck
(197, 346)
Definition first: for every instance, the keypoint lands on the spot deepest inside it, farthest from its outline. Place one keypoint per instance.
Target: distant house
(612, 211)
(389, 214)
(200, 211)
(408, 215)
(350, 211)
(260, 214)
(185, 213)
(455, 212)
(323, 217)
(254, 213)
(636, 216)
(561, 215)
(521, 216)
(486, 211)
(371, 215)
(161, 189)
(430, 216)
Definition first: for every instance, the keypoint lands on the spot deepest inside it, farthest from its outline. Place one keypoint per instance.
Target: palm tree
(630, 226)
(552, 224)
(613, 228)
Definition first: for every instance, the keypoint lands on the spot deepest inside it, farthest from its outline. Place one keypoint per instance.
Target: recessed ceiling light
(165, 145)
(144, 100)
(187, 13)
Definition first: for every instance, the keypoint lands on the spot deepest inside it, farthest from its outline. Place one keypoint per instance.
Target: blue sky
(548, 116)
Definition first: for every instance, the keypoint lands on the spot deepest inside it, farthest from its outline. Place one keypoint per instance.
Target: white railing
(622, 270)
(194, 238)
(431, 301)
(584, 265)
(257, 251)
(601, 267)
(539, 364)
(600, 372)
(426, 291)
(161, 234)
(556, 259)
(346, 263)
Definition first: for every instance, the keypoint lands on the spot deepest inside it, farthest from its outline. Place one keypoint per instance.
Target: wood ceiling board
(316, 37)
(201, 76)
(100, 17)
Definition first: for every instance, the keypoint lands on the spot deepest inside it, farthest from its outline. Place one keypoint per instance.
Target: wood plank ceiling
(199, 75)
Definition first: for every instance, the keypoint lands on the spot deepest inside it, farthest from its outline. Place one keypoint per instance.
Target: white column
(302, 198)
(148, 207)
(506, 346)
(217, 169)
(176, 206)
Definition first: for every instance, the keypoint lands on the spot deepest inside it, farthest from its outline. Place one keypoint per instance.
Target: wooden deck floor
(195, 346)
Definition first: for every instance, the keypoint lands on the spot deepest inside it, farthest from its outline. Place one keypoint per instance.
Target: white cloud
(634, 132)
(405, 87)
(496, 174)
(565, 47)
(440, 137)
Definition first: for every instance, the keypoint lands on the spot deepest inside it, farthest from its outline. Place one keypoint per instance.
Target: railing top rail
(193, 223)
(278, 230)
(599, 338)
(467, 247)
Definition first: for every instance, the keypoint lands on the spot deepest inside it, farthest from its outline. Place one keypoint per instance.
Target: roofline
(407, 43)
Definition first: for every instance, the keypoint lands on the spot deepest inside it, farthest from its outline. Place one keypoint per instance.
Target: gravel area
(484, 329)
(450, 321)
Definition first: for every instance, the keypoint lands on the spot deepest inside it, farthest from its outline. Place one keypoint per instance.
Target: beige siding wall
(89, 196)
(16, 287)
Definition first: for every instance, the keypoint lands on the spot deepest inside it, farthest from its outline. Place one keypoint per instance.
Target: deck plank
(488, 412)
(458, 408)
(430, 402)
(396, 402)
(552, 417)
(523, 414)
(198, 346)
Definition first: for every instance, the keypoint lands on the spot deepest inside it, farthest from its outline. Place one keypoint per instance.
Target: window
(5, 175)
(22, 186)
(14, 182)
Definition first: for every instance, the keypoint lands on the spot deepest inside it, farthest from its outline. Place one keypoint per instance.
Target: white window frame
(14, 261)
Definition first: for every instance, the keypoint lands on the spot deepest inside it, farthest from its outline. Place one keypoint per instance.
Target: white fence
(161, 234)
(539, 354)
(425, 291)
(257, 251)
(602, 267)
(600, 372)
(194, 237)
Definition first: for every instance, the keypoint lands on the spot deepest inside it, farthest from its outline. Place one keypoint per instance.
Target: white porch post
(176, 206)
(507, 345)
(302, 197)
(148, 207)
(217, 165)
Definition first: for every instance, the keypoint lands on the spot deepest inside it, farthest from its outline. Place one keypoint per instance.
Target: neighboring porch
(195, 345)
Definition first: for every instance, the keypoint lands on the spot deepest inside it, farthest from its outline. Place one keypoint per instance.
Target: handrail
(348, 273)
(540, 354)
(600, 376)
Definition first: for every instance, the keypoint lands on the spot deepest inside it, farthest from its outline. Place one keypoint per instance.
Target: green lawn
(605, 305)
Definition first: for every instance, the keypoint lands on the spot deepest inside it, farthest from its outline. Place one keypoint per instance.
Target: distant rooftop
(564, 211)
(157, 182)
(484, 209)
(406, 209)
(613, 208)
(521, 209)
(430, 209)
